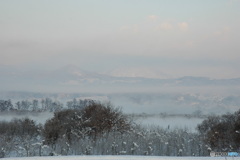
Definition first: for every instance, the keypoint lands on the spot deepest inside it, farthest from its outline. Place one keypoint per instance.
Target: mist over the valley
(179, 109)
(184, 95)
(170, 102)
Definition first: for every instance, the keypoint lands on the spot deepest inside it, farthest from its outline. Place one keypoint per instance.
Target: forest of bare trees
(91, 128)
(42, 105)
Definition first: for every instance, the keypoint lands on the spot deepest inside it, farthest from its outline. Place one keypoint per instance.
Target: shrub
(221, 133)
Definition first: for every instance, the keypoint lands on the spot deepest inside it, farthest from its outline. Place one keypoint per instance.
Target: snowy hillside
(73, 79)
(119, 158)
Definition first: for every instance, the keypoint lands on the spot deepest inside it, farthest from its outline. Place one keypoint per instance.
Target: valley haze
(134, 94)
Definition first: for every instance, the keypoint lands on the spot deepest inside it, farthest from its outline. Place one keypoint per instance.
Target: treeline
(100, 129)
(96, 129)
(43, 105)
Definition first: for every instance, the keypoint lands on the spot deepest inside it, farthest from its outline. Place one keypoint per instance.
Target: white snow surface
(121, 158)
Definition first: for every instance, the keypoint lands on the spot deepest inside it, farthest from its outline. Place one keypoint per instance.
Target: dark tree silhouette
(91, 121)
(221, 133)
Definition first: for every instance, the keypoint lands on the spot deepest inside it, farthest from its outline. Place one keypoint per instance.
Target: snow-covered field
(121, 158)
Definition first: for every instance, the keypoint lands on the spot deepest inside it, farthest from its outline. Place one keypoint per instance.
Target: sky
(156, 38)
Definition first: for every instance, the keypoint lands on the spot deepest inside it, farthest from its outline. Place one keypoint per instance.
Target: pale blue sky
(176, 37)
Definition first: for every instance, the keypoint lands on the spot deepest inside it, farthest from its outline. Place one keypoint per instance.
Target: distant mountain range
(72, 78)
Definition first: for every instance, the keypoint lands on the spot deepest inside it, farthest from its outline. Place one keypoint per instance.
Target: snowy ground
(122, 158)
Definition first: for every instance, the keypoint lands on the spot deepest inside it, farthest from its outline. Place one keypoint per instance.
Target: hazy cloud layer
(177, 38)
